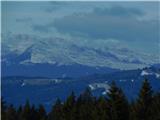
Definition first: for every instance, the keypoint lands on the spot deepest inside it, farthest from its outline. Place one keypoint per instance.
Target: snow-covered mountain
(25, 50)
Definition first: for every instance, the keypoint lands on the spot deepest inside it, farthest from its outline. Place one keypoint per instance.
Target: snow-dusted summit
(32, 49)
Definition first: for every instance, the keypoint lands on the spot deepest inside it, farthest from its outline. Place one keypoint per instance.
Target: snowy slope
(27, 50)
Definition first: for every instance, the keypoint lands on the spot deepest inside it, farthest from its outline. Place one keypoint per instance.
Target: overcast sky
(134, 24)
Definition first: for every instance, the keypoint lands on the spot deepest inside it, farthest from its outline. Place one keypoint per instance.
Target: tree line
(113, 106)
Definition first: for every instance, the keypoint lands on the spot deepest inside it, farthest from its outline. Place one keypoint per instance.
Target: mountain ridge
(28, 49)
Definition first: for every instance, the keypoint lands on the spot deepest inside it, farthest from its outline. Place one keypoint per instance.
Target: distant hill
(16, 89)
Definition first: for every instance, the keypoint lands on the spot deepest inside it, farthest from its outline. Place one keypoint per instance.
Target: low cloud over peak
(132, 23)
(119, 11)
(108, 23)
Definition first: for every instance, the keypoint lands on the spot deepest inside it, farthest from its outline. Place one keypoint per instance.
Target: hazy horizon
(122, 31)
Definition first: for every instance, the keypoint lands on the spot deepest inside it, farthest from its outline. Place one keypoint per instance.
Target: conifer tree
(118, 105)
(144, 102)
(155, 108)
(85, 105)
(69, 107)
(3, 109)
(57, 112)
(19, 112)
(87, 96)
(11, 113)
(33, 113)
(41, 113)
(26, 112)
(101, 109)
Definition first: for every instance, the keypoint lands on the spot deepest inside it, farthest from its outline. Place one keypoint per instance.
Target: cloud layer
(116, 22)
(87, 24)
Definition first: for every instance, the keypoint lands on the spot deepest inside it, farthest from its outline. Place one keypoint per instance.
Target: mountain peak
(32, 49)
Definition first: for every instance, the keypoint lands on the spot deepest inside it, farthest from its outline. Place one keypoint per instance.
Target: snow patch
(57, 81)
(104, 93)
(150, 72)
(157, 75)
(95, 86)
(144, 73)
(23, 84)
(122, 80)
(91, 87)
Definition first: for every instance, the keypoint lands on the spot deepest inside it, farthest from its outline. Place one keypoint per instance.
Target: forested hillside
(113, 106)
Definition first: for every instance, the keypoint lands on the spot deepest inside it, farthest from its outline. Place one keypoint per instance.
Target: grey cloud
(118, 23)
(24, 19)
(54, 5)
(40, 28)
(119, 11)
